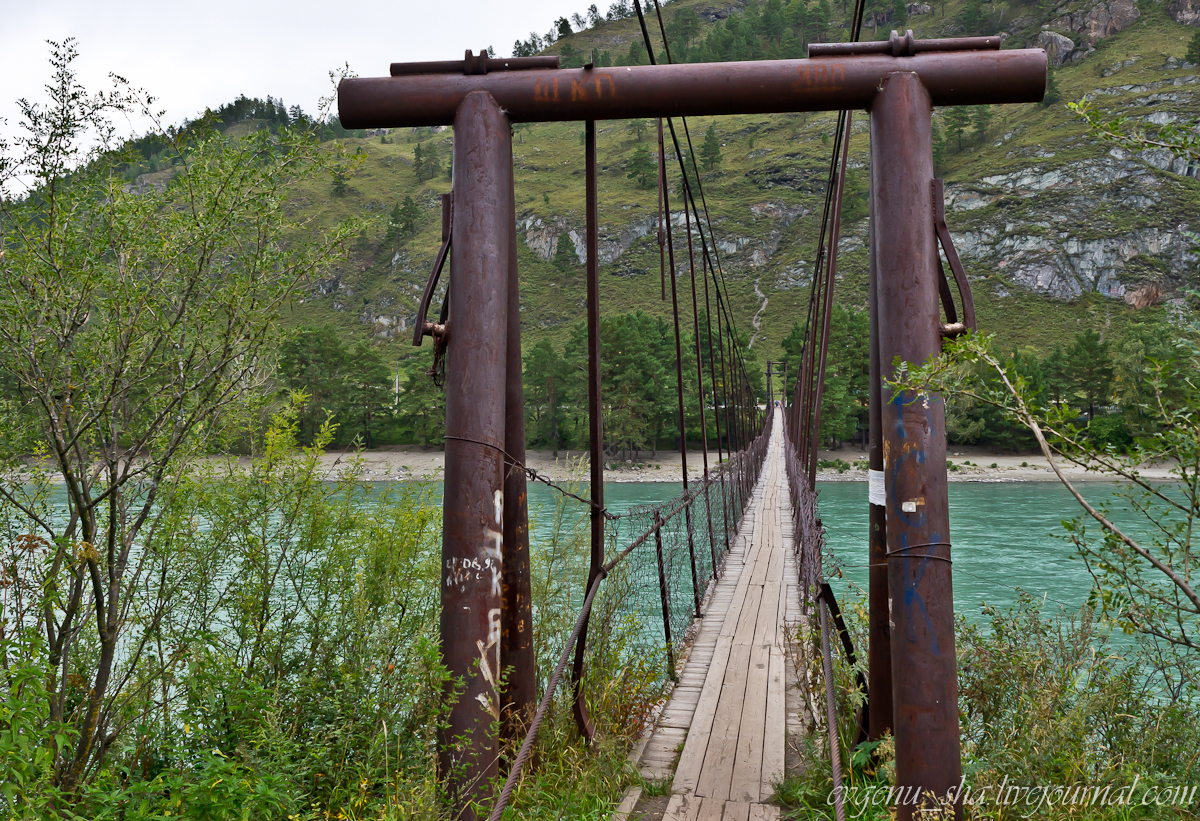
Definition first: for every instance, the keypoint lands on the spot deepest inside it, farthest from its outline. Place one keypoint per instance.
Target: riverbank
(849, 464)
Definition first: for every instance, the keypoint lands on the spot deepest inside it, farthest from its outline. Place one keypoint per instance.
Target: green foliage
(165, 308)
(973, 18)
(570, 57)
(1193, 49)
(847, 372)
(641, 410)
(710, 149)
(407, 217)
(421, 409)
(1091, 369)
(427, 165)
(1044, 699)
(1180, 138)
(1053, 93)
(981, 117)
(402, 222)
(642, 167)
(1110, 431)
(1145, 580)
(546, 382)
(939, 146)
(957, 118)
(348, 385)
(637, 128)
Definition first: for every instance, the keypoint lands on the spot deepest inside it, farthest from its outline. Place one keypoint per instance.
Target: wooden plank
(711, 810)
(748, 618)
(682, 808)
(687, 773)
(746, 780)
(775, 740)
(628, 802)
(736, 811)
(764, 812)
(717, 769)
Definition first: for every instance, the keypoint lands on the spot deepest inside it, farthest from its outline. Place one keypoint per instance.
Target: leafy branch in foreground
(1145, 578)
(133, 325)
(1181, 139)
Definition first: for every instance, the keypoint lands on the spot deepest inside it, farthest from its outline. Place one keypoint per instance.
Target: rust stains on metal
(694, 89)
(473, 500)
(474, 64)
(518, 658)
(924, 683)
(904, 45)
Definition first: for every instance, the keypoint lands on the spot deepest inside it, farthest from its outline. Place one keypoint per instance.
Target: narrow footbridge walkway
(730, 708)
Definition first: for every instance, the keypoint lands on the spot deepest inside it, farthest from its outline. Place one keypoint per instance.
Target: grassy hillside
(1054, 228)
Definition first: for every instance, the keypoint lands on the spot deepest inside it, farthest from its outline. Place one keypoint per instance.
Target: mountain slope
(1056, 231)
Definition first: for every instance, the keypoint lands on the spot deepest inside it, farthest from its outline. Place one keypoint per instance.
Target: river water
(1006, 536)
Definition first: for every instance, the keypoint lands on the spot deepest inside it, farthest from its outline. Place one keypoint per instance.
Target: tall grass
(1045, 701)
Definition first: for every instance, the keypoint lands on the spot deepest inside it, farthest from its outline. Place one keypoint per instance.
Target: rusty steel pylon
(898, 82)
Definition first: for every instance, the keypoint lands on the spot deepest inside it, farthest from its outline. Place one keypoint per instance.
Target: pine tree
(957, 120)
(637, 128)
(642, 167)
(972, 17)
(1090, 365)
(1193, 49)
(939, 146)
(710, 150)
(1053, 95)
(393, 226)
(408, 216)
(433, 163)
(981, 117)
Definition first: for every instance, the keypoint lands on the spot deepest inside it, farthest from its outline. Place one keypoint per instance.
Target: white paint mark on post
(875, 491)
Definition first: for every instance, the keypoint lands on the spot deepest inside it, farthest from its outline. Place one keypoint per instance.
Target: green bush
(1110, 431)
(1043, 700)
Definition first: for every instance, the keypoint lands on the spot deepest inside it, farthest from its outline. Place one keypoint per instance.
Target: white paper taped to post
(875, 494)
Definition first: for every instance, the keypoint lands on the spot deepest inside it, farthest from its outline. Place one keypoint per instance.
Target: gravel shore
(967, 465)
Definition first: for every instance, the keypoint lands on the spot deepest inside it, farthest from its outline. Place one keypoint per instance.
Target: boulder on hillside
(1100, 21)
(919, 8)
(1057, 47)
(1185, 11)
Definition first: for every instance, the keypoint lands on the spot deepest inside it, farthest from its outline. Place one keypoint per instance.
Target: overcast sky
(202, 54)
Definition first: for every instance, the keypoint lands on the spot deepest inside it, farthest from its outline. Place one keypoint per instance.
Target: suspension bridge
(732, 567)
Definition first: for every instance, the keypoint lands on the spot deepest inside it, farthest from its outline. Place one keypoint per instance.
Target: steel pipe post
(924, 686)
(879, 648)
(595, 418)
(473, 500)
(517, 657)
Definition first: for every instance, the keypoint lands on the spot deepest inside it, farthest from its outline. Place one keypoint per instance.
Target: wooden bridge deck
(730, 709)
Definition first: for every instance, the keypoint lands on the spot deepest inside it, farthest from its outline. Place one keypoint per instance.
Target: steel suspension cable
(687, 188)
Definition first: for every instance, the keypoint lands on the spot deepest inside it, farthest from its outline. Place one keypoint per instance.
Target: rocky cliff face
(1100, 21)
(1186, 12)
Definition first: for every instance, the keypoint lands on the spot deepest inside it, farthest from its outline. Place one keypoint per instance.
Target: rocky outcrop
(542, 236)
(919, 8)
(1041, 258)
(1100, 21)
(1185, 11)
(1058, 48)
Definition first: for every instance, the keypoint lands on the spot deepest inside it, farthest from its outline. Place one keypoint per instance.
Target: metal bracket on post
(952, 328)
(473, 64)
(421, 326)
(905, 45)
